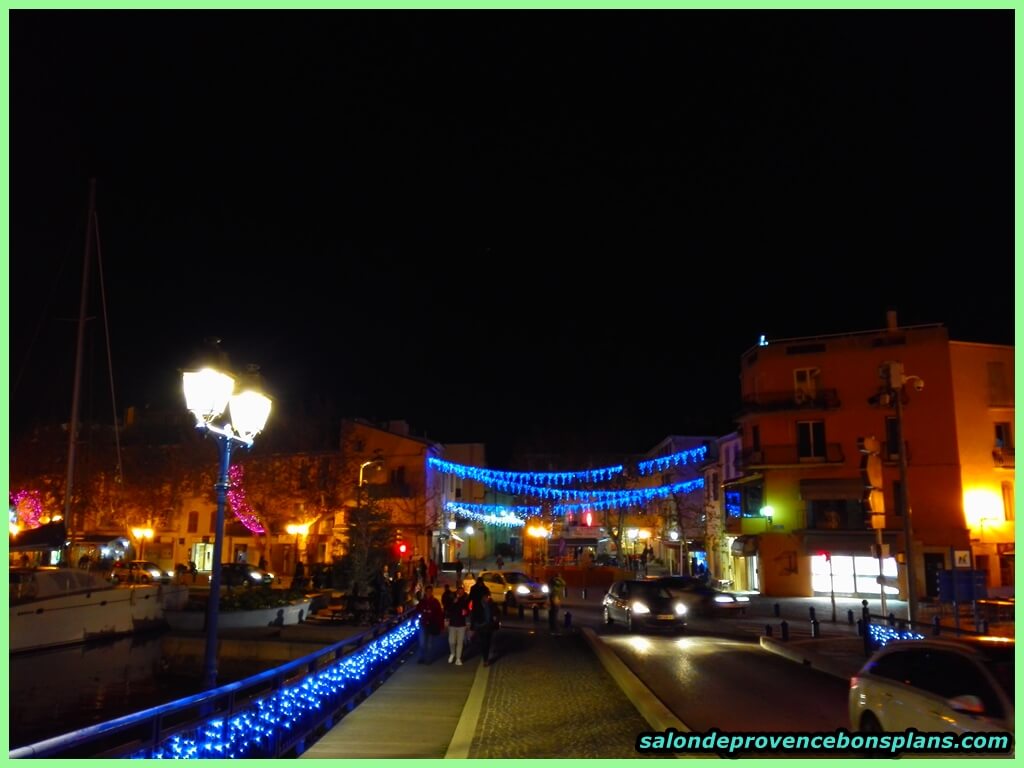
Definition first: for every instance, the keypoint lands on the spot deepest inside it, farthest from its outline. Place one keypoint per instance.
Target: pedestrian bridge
(272, 714)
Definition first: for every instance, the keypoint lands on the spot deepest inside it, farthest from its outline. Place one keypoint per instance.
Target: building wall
(986, 468)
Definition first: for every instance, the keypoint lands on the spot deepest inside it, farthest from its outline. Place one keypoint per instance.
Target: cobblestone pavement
(548, 696)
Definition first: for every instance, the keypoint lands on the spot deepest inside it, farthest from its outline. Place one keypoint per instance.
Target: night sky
(538, 230)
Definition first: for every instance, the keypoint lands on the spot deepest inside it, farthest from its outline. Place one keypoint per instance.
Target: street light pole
(207, 394)
(908, 527)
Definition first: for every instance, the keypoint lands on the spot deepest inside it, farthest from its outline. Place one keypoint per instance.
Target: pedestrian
(421, 571)
(399, 591)
(457, 613)
(299, 579)
(555, 586)
(432, 572)
(477, 593)
(263, 563)
(446, 597)
(501, 562)
(485, 623)
(458, 570)
(382, 590)
(431, 623)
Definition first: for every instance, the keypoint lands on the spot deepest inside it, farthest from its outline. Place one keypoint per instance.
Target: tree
(369, 532)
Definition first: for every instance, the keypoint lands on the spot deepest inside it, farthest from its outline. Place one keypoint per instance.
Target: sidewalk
(544, 696)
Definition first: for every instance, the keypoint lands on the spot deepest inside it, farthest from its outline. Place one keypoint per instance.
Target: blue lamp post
(207, 394)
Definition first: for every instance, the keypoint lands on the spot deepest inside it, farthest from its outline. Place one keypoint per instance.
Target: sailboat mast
(73, 428)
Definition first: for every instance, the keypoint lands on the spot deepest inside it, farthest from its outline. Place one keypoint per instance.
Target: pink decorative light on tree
(239, 505)
(29, 506)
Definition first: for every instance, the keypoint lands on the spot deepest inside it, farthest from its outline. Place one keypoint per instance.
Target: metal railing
(271, 714)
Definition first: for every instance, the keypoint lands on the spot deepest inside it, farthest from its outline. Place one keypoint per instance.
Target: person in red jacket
(431, 623)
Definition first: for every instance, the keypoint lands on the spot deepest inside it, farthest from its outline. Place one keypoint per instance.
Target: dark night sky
(501, 226)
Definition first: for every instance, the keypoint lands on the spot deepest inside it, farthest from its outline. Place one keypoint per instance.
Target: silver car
(512, 587)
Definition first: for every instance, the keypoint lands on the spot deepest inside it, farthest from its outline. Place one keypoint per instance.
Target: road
(713, 677)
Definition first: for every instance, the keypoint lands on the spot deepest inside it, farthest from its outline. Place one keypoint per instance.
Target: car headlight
(742, 599)
(639, 607)
(155, 574)
(544, 588)
(680, 609)
(272, 577)
(522, 590)
(723, 599)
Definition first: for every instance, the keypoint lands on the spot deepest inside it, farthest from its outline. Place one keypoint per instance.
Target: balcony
(788, 455)
(790, 400)
(1003, 457)
(388, 490)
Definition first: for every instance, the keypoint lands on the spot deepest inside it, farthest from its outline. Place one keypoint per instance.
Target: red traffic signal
(402, 547)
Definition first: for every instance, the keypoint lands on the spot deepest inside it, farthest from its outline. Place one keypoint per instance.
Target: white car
(140, 571)
(935, 685)
(512, 587)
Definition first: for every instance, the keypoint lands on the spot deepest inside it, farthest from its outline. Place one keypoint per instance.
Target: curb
(650, 707)
(797, 655)
(462, 739)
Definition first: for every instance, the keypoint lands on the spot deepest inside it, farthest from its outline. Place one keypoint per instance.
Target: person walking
(477, 593)
(399, 591)
(432, 572)
(299, 579)
(457, 613)
(555, 587)
(500, 562)
(458, 570)
(485, 624)
(431, 623)
(446, 598)
(382, 590)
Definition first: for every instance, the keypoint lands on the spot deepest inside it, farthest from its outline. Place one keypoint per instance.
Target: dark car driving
(239, 574)
(702, 600)
(642, 605)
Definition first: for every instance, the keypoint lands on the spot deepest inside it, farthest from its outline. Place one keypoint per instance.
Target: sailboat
(52, 606)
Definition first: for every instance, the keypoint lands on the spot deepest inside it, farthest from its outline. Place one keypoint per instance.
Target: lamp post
(142, 535)
(892, 373)
(207, 394)
(296, 530)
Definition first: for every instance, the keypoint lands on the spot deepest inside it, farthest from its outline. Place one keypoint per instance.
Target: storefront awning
(848, 542)
(45, 537)
(744, 546)
(831, 489)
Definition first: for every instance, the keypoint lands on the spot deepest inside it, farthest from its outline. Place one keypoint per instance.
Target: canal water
(61, 690)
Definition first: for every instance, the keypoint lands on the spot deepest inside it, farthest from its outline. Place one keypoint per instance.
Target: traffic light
(402, 548)
(871, 475)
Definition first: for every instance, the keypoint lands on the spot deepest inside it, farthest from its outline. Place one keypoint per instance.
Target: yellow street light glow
(297, 529)
(142, 533)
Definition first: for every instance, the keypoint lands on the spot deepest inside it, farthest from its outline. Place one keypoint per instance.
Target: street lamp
(142, 535)
(896, 380)
(207, 394)
(296, 530)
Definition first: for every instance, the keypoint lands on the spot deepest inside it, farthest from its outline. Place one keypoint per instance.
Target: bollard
(767, 630)
(784, 627)
(777, 608)
(865, 612)
(849, 616)
(892, 619)
(521, 614)
(811, 611)
(536, 613)
(860, 627)
(936, 625)
(568, 620)
(815, 628)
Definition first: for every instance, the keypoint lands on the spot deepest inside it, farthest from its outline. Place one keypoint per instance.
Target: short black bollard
(936, 626)
(815, 628)
(860, 627)
(767, 630)
(521, 614)
(865, 612)
(777, 608)
(536, 613)
(811, 611)
(784, 627)
(892, 619)
(849, 616)
(568, 620)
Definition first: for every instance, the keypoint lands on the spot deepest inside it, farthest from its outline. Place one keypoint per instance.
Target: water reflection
(58, 691)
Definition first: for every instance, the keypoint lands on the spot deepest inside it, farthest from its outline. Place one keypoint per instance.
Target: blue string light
(250, 732)
(881, 635)
(490, 476)
(691, 456)
(492, 514)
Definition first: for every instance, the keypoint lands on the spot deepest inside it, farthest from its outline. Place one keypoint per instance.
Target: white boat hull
(85, 616)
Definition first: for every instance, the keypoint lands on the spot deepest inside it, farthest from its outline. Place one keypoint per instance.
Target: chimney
(891, 323)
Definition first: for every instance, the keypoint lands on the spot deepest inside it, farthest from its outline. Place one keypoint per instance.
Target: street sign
(962, 558)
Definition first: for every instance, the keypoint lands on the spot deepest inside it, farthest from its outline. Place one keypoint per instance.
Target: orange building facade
(797, 503)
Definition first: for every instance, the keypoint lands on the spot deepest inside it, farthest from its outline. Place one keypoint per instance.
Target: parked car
(702, 600)
(247, 574)
(605, 559)
(138, 571)
(643, 605)
(512, 587)
(935, 685)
